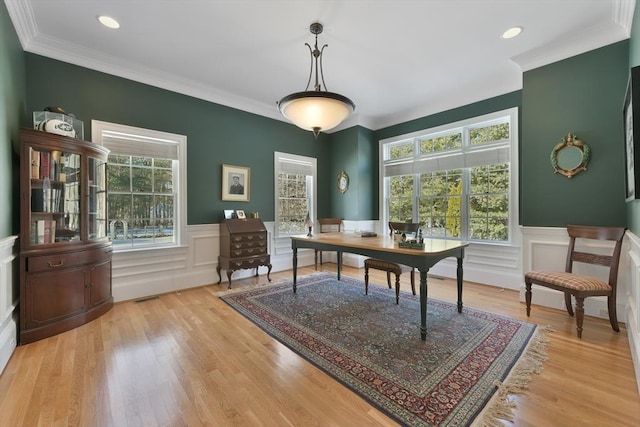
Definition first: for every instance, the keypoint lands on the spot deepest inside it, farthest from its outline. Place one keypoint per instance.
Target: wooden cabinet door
(54, 296)
(99, 283)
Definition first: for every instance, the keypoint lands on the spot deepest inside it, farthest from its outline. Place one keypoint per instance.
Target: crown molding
(23, 20)
(619, 28)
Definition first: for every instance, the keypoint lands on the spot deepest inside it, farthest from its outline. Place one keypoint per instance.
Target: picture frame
(236, 183)
(228, 213)
(631, 121)
(240, 214)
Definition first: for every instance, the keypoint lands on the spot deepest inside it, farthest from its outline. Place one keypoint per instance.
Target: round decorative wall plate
(343, 182)
(570, 156)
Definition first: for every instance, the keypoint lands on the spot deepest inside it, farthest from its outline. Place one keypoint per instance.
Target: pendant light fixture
(316, 110)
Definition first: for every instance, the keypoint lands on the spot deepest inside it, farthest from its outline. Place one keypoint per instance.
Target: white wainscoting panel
(137, 274)
(9, 298)
(631, 315)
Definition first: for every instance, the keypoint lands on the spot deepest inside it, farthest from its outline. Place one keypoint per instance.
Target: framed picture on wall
(235, 183)
(631, 120)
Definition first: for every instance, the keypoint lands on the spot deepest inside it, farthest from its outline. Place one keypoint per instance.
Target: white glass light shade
(316, 110)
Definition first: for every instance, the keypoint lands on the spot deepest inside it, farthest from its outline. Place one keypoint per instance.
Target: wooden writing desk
(384, 248)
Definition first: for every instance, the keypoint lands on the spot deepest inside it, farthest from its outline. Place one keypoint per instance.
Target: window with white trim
(295, 189)
(459, 181)
(146, 185)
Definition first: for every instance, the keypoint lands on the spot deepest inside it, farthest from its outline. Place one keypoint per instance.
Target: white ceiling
(396, 59)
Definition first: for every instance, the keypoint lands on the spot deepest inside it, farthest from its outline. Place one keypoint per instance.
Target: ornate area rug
(461, 375)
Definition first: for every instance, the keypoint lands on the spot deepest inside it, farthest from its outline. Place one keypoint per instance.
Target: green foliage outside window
(489, 202)
(471, 202)
(140, 200)
(439, 207)
(499, 132)
(441, 143)
(401, 151)
(293, 203)
(401, 198)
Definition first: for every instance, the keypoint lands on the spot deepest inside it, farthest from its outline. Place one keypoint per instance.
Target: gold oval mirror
(570, 156)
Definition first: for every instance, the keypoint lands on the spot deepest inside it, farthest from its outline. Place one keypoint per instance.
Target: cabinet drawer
(258, 244)
(252, 262)
(67, 259)
(239, 253)
(248, 237)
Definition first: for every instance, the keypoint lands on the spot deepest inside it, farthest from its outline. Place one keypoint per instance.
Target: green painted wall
(582, 95)
(633, 208)
(354, 151)
(216, 134)
(12, 113)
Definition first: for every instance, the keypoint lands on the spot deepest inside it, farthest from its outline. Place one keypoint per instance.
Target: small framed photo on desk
(240, 214)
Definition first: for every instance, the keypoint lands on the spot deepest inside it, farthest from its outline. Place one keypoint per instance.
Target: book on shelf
(45, 231)
(37, 200)
(54, 170)
(45, 166)
(40, 232)
(63, 173)
(35, 164)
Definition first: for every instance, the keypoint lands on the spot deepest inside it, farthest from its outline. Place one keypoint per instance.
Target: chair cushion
(383, 265)
(569, 280)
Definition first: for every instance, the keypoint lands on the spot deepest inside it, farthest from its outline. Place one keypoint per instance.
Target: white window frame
(511, 113)
(305, 163)
(100, 130)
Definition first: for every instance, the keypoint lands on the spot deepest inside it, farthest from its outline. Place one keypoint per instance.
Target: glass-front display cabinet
(65, 255)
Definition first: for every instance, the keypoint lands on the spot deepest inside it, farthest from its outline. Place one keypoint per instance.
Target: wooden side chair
(581, 286)
(392, 267)
(327, 225)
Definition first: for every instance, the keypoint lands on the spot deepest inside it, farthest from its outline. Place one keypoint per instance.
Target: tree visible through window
(295, 178)
(144, 201)
(456, 181)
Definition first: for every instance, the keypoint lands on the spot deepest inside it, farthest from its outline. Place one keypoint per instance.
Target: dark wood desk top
(383, 247)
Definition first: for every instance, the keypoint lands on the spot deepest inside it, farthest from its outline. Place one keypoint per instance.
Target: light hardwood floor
(188, 359)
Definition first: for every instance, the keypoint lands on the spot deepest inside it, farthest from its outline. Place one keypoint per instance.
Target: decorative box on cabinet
(65, 256)
(243, 245)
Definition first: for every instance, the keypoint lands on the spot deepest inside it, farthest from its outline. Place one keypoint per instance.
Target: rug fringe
(500, 407)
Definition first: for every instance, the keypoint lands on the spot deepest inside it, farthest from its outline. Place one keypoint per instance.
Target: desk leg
(423, 305)
(459, 274)
(339, 254)
(295, 268)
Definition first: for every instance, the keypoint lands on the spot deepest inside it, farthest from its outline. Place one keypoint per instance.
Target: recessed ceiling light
(511, 32)
(108, 21)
